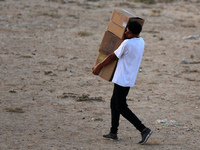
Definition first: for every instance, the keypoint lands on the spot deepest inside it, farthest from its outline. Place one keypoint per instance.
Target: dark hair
(134, 27)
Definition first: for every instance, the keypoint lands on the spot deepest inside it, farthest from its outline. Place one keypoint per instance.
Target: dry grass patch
(84, 33)
(153, 1)
(80, 98)
(52, 15)
(14, 110)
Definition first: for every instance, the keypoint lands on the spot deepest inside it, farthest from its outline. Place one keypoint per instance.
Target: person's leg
(114, 119)
(122, 107)
(115, 115)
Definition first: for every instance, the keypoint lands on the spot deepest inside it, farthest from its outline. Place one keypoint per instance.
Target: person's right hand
(96, 70)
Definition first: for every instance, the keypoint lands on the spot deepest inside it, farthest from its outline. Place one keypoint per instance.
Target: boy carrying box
(129, 56)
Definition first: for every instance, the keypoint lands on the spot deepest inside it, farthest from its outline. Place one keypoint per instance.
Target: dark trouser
(119, 106)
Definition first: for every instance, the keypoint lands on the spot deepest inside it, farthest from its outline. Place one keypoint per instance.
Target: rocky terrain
(49, 98)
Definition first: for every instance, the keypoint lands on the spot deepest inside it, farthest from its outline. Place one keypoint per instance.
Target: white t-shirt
(130, 55)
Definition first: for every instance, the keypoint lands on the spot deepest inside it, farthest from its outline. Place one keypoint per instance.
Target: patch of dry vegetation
(153, 1)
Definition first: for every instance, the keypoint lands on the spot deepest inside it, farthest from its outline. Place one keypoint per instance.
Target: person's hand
(96, 70)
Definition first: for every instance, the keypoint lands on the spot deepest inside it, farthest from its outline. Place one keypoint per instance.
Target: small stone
(184, 61)
(191, 37)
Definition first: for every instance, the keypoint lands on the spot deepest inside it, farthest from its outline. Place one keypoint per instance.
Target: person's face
(128, 34)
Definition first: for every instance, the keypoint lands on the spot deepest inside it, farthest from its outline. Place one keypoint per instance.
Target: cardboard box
(112, 39)
(119, 21)
(107, 71)
(109, 43)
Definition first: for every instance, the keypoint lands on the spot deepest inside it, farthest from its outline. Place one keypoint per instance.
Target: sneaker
(145, 135)
(111, 136)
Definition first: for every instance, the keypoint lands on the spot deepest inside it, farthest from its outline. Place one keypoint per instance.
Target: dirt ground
(49, 98)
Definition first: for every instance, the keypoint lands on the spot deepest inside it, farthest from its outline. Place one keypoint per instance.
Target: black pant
(119, 106)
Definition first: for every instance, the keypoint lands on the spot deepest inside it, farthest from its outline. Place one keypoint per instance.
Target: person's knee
(121, 108)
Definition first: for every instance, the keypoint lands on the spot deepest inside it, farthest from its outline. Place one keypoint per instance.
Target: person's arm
(110, 58)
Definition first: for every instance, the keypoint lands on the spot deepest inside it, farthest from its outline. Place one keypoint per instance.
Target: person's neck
(135, 36)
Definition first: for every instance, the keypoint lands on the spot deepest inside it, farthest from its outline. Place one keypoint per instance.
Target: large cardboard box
(109, 43)
(119, 21)
(107, 71)
(112, 39)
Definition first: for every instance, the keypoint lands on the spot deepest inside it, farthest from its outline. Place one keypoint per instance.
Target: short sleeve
(121, 49)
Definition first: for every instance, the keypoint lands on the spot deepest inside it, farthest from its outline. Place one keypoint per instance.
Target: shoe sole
(146, 138)
(111, 139)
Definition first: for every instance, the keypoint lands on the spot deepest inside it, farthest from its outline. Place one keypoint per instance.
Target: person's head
(133, 29)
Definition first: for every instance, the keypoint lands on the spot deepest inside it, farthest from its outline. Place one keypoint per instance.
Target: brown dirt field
(47, 50)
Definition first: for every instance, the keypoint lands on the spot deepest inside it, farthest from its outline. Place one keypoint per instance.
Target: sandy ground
(49, 98)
